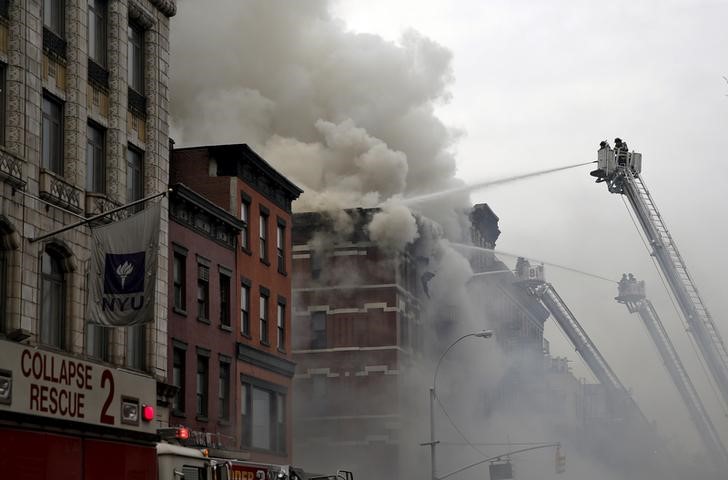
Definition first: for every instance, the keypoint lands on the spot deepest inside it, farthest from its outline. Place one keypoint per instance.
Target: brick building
(238, 180)
(356, 327)
(201, 352)
(83, 128)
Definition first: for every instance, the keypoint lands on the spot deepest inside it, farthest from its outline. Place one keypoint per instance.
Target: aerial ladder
(621, 171)
(532, 279)
(632, 294)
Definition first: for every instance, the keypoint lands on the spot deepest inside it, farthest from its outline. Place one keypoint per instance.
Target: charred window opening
(318, 330)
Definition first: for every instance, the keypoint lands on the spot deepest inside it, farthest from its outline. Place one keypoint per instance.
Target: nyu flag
(124, 270)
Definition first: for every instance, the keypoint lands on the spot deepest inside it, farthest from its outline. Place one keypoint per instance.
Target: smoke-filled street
(395, 120)
(346, 240)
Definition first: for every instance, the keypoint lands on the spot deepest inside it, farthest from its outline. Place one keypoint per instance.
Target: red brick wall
(186, 328)
(191, 167)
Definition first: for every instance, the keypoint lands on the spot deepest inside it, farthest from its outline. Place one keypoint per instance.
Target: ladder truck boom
(632, 294)
(531, 279)
(621, 170)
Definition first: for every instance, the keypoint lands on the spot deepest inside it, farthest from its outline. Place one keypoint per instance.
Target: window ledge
(247, 251)
(177, 413)
(201, 418)
(265, 343)
(265, 262)
(246, 335)
(179, 311)
(226, 328)
(281, 350)
(223, 422)
(203, 320)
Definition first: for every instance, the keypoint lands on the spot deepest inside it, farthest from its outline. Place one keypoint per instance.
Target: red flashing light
(147, 413)
(183, 433)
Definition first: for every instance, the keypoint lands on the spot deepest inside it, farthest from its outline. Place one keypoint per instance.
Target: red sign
(53, 385)
(245, 472)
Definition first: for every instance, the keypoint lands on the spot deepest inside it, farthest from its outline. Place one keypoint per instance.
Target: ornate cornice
(197, 213)
(167, 7)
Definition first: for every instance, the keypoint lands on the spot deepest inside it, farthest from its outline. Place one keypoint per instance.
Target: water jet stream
(487, 183)
(514, 255)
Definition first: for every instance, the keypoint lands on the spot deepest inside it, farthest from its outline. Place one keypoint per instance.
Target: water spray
(514, 255)
(488, 183)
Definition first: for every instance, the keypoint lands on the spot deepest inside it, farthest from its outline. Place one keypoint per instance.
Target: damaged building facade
(356, 329)
(359, 332)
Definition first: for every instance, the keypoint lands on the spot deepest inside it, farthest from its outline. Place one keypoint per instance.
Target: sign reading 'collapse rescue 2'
(123, 270)
(39, 382)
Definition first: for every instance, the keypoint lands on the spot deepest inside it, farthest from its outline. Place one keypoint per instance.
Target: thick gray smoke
(350, 117)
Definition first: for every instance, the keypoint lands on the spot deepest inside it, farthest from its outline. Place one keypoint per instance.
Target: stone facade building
(84, 128)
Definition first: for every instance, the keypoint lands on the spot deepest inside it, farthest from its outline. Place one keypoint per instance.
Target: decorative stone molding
(59, 192)
(11, 169)
(141, 16)
(98, 203)
(167, 7)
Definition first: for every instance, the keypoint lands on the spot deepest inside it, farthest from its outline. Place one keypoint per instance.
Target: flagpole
(101, 215)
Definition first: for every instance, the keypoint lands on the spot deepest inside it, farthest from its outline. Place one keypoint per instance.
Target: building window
(223, 391)
(53, 299)
(4, 279)
(245, 408)
(245, 310)
(263, 418)
(97, 341)
(245, 217)
(318, 330)
(135, 58)
(136, 347)
(52, 135)
(224, 300)
(202, 384)
(178, 380)
(281, 321)
(134, 176)
(180, 281)
(203, 292)
(3, 100)
(315, 261)
(263, 227)
(95, 160)
(97, 31)
(53, 15)
(264, 338)
(7, 245)
(262, 425)
(281, 247)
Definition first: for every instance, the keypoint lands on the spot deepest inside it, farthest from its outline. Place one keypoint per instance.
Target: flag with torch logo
(124, 270)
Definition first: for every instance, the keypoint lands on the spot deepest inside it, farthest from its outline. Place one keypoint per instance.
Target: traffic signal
(560, 461)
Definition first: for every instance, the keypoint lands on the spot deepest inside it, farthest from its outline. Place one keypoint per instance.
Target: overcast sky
(528, 85)
(539, 84)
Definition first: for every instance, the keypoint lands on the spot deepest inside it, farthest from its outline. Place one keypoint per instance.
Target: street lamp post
(433, 395)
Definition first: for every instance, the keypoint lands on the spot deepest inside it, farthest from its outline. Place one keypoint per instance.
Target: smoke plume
(350, 117)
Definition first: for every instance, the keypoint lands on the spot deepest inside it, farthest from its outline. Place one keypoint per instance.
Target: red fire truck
(177, 462)
(69, 419)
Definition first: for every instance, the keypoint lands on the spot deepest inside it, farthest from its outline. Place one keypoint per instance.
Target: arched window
(54, 268)
(8, 242)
